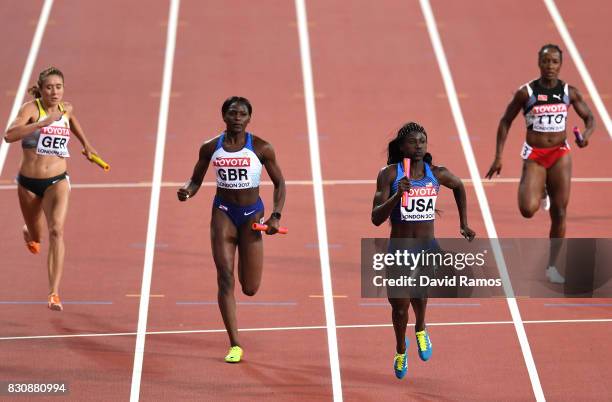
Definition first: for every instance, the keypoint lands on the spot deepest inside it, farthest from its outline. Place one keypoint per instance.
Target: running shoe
(423, 344)
(553, 275)
(400, 363)
(234, 355)
(54, 302)
(33, 246)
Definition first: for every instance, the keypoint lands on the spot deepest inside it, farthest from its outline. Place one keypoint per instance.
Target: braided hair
(394, 154)
(44, 74)
(550, 46)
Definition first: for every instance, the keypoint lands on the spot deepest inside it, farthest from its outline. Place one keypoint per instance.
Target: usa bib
(421, 204)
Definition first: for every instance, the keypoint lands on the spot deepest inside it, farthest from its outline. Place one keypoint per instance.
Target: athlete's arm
(190, 188)
(77, 130)
(514, 107)
(585, 114)
(25, 123)
(449, 180)
(274, 171)
(384, 201)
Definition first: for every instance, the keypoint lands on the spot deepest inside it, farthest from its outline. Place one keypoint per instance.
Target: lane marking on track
(305, 328)
(158, 165)
(26, 74)
(482, 197)
(317, 178)
(334, 296)
(339, 182)
(577, 58)
(137, 295)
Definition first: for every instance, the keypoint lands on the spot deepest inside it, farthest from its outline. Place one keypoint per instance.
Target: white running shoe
(553, 275)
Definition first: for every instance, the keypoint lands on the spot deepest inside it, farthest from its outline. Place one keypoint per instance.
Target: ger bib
(421, 204)
(53, 141)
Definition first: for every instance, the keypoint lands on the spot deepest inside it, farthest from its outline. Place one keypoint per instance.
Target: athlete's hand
(583, 143)
(51, 117)
(495, 168)
(187, 191)
(466, 232)
(403, 185)
(89, 151)
(273, 225)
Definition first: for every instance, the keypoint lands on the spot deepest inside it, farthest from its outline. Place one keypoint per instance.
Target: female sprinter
(237, 157)
(547, 166)
(411, 142)
(44, 126)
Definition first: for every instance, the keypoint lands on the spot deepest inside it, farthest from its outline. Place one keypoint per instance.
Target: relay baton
(263, 228)
(579, 137)
(406, 163)
(98, 161)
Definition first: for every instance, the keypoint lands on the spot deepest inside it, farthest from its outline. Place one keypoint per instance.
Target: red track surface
(374, 68)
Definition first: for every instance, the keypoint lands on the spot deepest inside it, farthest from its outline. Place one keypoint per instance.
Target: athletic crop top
(546, 108)
(236, 170)
(51, 140)
(421, 198)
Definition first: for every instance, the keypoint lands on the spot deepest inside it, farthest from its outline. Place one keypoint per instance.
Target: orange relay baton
(263, 228)
(406, 163)
(98, 161)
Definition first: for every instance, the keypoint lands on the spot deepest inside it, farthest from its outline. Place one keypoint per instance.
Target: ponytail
(34, 91)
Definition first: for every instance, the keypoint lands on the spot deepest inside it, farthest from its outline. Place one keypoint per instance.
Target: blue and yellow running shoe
(234, 355)
(423, 344)
(400, 363)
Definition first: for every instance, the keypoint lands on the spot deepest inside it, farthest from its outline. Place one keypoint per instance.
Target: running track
(373, 67)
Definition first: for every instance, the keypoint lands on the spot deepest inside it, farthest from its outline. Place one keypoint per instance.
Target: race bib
(233, 172)
(548, 118)
(421, 204)
(53, 140)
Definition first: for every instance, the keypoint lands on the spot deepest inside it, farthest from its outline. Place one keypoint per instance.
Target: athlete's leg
(31, 208)
(558, 183)
(419, 305)
(55, 207)
(531, 188)
(250, 257)
(223, 238)
(399, 316)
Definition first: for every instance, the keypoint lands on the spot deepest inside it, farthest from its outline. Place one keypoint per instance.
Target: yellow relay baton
(98, 161)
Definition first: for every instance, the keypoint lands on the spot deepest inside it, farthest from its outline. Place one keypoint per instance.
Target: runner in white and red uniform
(237, 157)
(547, 163)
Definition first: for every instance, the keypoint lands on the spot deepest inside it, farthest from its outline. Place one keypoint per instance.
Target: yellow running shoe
(234, 355)
(423, 345)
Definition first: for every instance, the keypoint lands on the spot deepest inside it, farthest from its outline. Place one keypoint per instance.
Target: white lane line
(162, 124)
(584, 73)
(482, 198)
(303, 328)
(340, 182)
(317, 178)
(26, 74)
